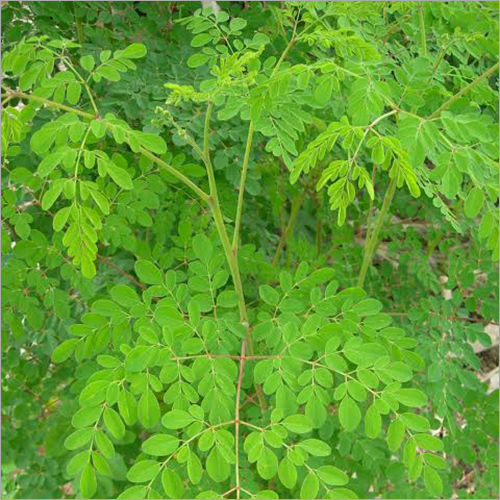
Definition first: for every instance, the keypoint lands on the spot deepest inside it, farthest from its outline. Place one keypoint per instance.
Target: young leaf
(148, 273)
(349, 414)
(160, 445)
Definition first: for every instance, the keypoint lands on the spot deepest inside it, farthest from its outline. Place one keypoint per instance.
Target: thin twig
(237, 419)
(452, 318)
(466, 89)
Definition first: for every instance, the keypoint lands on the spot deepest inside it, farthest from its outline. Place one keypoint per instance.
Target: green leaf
(474, 202)
(332, 476)
(78, 439)
(51, 195)
(323, 90)
(148, 409)
(432, 481)
(134, 492)
(269, 295)
(101, 464)
(200, 40)
(265, 494)
(413, 398)
(398, 371)
(227, 299)
(119, 175)
(73, 92)
(299, 424)
(142, 471)
(148, 273)
(395, 435)
(63, 351)
(177, 419)
(151, 142)
(93, 393)
(78, 462)
(342, 493)
(160, 445)
(315, 447)
(428, 442)
(86, 416)
(202, 248)
(415, 422)
(287, 473)
(114, 423)
(197, 60)
(104, 55)
(310, 486)
(124, 295)
(88, 481)
(138, 358)
(172, 484)
(104, 444)
(60, 218)
(50, 162)
(133, 51)
(107, 72)
(237, 24)
(87, 63)
(194, 468)
(217, 467)
(88, 267)
(435, 461)
(373, 422)
(127, 406)
(267, 464)
(349, 414)
(367, 307)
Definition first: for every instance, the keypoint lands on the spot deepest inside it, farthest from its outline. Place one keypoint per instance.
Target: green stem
(84, 83)
(231, 260)
(219, 220)
(67, 62)
(294, 212)
(241, 193)
(248, 148)
(79, 29)
(466, 89)
(319, 232)
(80, 151)
(423, 36)
(372, 241)
(50, 104)
(178, 175)
(230, 253)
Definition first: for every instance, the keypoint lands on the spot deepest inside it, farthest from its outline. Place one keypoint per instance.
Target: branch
(466, 89)
(450, 318)
(237, 419)
(52, 104)
(178, 175)
(241, 194)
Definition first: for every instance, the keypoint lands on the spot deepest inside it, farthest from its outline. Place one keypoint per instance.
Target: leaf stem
(466, 89)
(294, 212)
(241, 193)
(178, 175)
(50, 104)
(237, 418)
(423, 35)
(371, 243)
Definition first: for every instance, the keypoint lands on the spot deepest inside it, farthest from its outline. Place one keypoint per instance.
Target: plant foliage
(159, 339)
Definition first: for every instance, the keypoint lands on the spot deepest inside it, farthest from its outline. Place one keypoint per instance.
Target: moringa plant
(200, 391)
